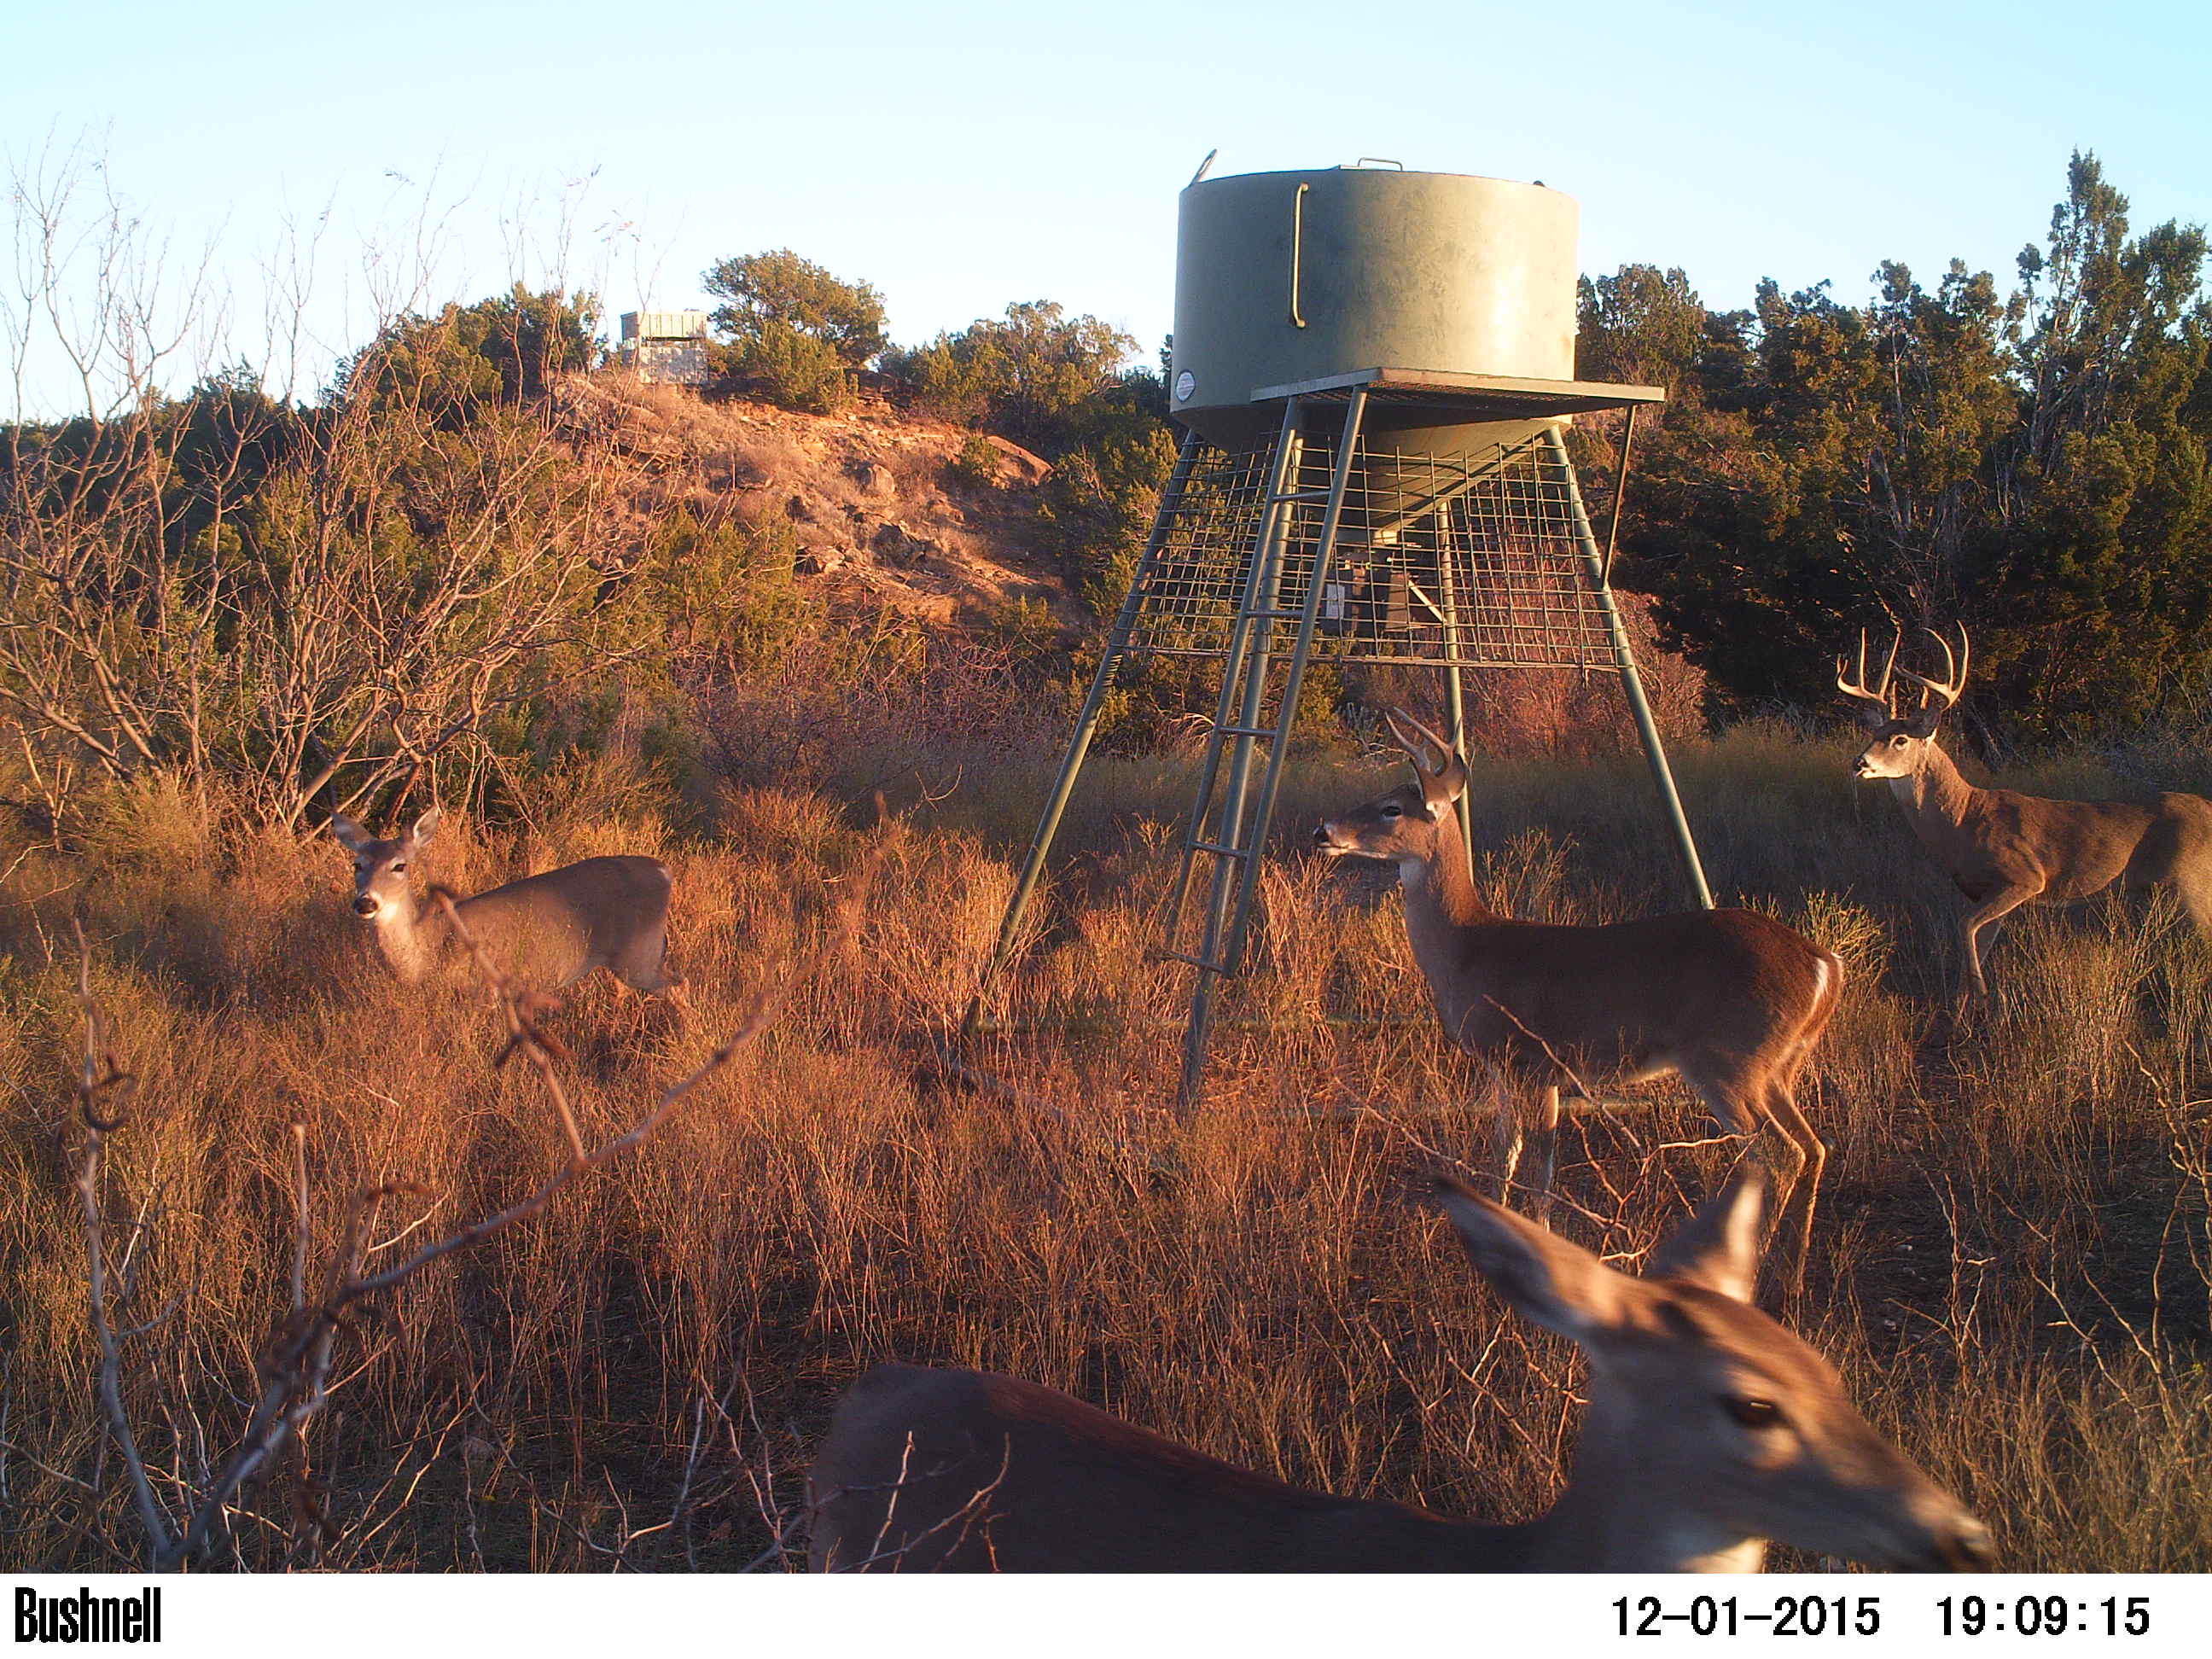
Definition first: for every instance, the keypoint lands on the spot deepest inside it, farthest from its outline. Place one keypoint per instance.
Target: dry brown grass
(2011, 1269)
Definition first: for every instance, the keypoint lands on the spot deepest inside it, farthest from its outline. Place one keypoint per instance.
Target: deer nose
(364, 906)
(1322, 836)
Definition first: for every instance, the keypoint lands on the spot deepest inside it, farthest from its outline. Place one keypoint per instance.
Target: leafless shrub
(293, 1369)
(304, 602)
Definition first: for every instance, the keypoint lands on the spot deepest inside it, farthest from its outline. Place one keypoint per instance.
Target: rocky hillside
(891, 511)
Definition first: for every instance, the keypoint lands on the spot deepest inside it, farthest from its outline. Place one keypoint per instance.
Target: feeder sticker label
(1333, 597)
(1184, 387)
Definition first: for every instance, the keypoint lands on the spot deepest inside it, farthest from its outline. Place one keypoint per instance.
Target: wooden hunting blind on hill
(666, 347)
(1372, 368)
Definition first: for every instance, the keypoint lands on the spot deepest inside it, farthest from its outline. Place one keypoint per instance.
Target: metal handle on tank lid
(1297, 249)
(1379, 160)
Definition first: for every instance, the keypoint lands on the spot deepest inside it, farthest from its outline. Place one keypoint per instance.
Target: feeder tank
(1288, 277)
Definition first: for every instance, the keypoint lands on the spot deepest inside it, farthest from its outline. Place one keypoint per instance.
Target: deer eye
(400, 868)
(1752, 1412)
(1898, 742)
(1394, 810)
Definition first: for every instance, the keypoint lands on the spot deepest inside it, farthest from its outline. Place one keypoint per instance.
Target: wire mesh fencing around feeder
(1466, 560)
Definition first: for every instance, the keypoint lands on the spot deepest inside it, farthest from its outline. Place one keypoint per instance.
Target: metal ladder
(1230, 819)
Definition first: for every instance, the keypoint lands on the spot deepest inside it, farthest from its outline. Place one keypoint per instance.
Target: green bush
(1032, 375)
(1024, 627)
(781, 365)
(797, 333)
(976, 465)
(726, 591)
(503, 349)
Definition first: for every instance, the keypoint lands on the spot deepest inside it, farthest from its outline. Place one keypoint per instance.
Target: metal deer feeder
(1371, 369)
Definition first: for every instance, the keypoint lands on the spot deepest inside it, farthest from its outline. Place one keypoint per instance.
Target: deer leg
(1812, 1162)
(1987, 913)
(1972, 987)
(1515, 1120)
(1505, 1102)
(1741, 1107)
(1547, 1149)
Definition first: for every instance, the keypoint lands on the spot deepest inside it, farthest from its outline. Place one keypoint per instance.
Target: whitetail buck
(1730, 1000)
(1711, 1430)
(610, 913)
(2002, 849)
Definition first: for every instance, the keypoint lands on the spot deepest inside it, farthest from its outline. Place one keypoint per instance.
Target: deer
(2003, 849)
(1731, 1000)
(551, 929)
(1710, 1430)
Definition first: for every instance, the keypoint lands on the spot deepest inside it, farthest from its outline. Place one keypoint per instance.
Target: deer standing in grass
(549, 929)
(2002, 849)
(1731, 999)
(1709, 1430)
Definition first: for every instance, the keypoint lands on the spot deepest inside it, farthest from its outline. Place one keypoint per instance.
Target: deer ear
(425, 827)
(1547, 1280)
(1718, 1247)
(347, 833)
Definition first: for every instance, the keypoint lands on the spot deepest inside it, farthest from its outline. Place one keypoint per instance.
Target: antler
(1874, 705)
(1946, 690)
(1412, 736)
(1442, 772)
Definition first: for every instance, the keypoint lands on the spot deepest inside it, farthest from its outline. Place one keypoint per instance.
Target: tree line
(2032, 463)
(321, 597)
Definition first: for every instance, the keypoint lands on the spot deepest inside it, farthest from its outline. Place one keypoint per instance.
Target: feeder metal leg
(1301, 652)
(1245, 671)
(1248, 884)
(1086, 723)
(1631, 684)
(1259, 582)
(1259, 656)
(1454, 676)
(1619, 492)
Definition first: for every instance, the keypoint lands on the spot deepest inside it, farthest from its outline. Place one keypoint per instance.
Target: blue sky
(981, 152)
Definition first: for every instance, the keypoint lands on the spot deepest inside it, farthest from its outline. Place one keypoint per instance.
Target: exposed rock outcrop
(884, 518)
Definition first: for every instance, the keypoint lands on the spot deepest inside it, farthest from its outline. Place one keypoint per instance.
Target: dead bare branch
(98, 1073)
